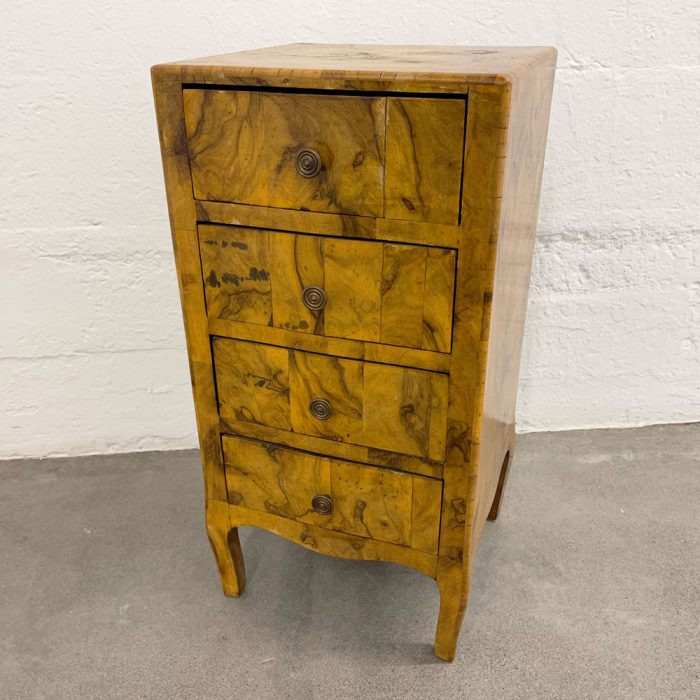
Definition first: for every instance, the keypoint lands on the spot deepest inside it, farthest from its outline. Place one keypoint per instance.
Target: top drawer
(394, 157)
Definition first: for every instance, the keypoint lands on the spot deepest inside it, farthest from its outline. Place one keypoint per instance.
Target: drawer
(391, 293)
(363, 155)
(357, 499)
(398, 409)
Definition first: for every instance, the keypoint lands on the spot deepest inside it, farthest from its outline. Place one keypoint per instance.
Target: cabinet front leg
(227, 551)
(453, 586)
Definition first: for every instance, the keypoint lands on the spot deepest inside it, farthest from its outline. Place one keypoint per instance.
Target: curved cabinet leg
(453, 588)
(227, 551)
(502, 479)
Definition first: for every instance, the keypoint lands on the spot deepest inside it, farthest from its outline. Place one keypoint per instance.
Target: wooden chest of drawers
(353, 230)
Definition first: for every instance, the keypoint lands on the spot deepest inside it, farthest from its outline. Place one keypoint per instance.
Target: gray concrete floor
(586, 587)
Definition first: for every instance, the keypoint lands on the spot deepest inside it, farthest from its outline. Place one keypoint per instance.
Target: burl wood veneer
(353, 230)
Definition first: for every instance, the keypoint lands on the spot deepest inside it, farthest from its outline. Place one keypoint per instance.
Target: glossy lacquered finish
(353, 231)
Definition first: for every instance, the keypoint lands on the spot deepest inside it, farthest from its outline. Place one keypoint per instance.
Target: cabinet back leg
(227, 552)
(502, 479)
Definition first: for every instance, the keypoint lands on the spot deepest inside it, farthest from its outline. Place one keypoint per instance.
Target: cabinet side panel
(510, 260)
(167, 91)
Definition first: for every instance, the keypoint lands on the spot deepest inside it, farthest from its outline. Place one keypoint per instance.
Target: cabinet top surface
(442, 62)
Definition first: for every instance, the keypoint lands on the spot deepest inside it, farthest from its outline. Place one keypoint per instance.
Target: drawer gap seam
(460, 94)
(214, 336)
(369, 465)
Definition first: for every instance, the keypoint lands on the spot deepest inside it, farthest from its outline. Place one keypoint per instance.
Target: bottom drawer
(357, 499)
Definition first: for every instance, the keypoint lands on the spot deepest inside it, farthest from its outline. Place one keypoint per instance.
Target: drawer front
(424, 149)
(357, 499)
(390, 293)
(397, 409)
(362, 155)
(245, 147)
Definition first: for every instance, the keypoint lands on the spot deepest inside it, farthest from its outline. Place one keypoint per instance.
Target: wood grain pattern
(405, 410)
(424, 159)
(342, 450)
(410, 68)
(362, 227)
(425, 519)
(243, 147)
(502, 169)
(367, 502)
(373, 503)
(281, 482)
(377, 292)
(509, 264)
(353, 284)
(485, 143)
(253, 382)
(352, 349)
(297, 262)
(223, 537)
(508, 93)
(397, 409)
(402, 293)
(439, 285)
(236, 268)
(341, 382)
(335, 544)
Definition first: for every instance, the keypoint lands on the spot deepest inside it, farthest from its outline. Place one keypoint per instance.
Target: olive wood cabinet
(353, 230)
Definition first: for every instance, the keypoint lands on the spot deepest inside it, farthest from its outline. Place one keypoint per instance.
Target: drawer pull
(308, 162)
(321, 409)
(314, 298)
(322, 504)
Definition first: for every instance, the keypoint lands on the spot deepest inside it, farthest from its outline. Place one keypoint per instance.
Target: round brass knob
(314, 298)
(308, 162)
(322, 504)
(321, 409)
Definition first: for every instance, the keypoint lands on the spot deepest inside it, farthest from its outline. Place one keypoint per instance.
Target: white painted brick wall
(92, 355)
